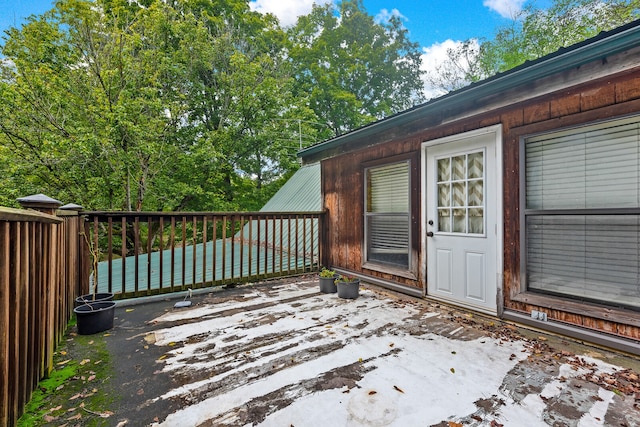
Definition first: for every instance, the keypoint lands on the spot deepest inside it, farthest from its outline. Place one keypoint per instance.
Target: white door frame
(496, 130)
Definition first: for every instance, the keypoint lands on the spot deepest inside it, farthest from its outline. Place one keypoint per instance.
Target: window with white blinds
(387, 232)
(582, 212)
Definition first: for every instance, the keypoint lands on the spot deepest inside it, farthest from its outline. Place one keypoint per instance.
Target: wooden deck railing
(48, 259)
(145, 253)
(39, 279)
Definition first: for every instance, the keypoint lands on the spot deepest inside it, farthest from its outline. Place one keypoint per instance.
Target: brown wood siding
(343, 186)
(597, 100)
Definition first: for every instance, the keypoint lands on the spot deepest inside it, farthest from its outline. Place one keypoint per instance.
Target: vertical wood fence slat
(136, 253)
(224, 248)
(214, 236)
(124, 254)
(194, 241)
(161, 250)
(149, 242)
(184, 251)
(241, 262)
(36, 285)
(204, 249)
(5, 305)
(110, 252)
(173, 252)
(233, 247)
(250, 244)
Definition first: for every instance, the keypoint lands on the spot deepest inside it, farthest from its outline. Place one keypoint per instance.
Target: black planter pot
(94, 317)
(99, 297)
(328, 285)
(349, 290)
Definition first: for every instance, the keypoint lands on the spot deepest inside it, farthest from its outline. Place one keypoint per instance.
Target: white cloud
(432, 57)
(506, 8)
(385, 15)
(287, 11)
(450, 73)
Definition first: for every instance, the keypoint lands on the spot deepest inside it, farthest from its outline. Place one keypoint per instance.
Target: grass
(78, 391)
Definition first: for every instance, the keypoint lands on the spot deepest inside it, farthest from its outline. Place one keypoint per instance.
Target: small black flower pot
(348, 290)
(328, 285)
(94, 317)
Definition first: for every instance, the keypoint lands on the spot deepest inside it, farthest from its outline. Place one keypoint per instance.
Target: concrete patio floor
(283, 354)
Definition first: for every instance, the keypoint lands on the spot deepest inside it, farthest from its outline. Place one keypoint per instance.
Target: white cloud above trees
(287, 11)
(506, 8)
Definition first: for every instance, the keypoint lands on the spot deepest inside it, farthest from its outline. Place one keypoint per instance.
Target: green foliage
(326, 273)
(353, 69)
(147, 106)
(531, 35)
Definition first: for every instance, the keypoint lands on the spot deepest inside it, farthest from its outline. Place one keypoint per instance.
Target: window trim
(531, 295)
(394, 269)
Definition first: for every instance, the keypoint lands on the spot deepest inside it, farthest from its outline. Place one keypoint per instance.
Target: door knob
(429, 233)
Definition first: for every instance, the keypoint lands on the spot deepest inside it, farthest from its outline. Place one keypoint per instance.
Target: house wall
(604, 92)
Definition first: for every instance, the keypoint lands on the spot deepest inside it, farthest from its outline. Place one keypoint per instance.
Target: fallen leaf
(62, 352)
(395, 387)
(75, 417)
(129, 310)
(171, 344)
(164, 356)
(91, 378)
(64, 362)
(372, 392)
(390, 344)
(49, 418)
(75, 396)
(453, 352)
(140, 392)
(454, 424)
(106, 335)
(453, 371)
(124, 422)
(84, 362)
(57, 408)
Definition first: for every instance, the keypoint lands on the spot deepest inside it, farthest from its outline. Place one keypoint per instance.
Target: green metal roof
(301, 193)
(596, 48)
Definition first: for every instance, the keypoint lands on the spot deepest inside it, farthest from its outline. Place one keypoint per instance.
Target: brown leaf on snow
(372, 392)
(454, 424)
(396, 388)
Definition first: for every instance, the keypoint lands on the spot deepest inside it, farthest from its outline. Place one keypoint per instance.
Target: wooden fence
(47, 260)
(40, 261)
(145, 253)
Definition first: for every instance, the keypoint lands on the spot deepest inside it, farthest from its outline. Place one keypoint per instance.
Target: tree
(148, 105)
(353, 69)
(531, 35)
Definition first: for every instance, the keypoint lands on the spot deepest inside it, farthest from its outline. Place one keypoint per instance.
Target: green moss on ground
(78, 391)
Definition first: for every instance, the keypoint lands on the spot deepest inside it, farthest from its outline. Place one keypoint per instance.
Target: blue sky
(429, 22)
(435, 24)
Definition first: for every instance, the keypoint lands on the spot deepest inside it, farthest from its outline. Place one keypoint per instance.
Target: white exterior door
(463, 218)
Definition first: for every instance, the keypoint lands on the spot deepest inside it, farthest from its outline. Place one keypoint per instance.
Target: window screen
(582, 212)
(387, 214)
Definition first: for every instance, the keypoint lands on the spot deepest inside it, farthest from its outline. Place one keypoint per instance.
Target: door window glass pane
(461, 193)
